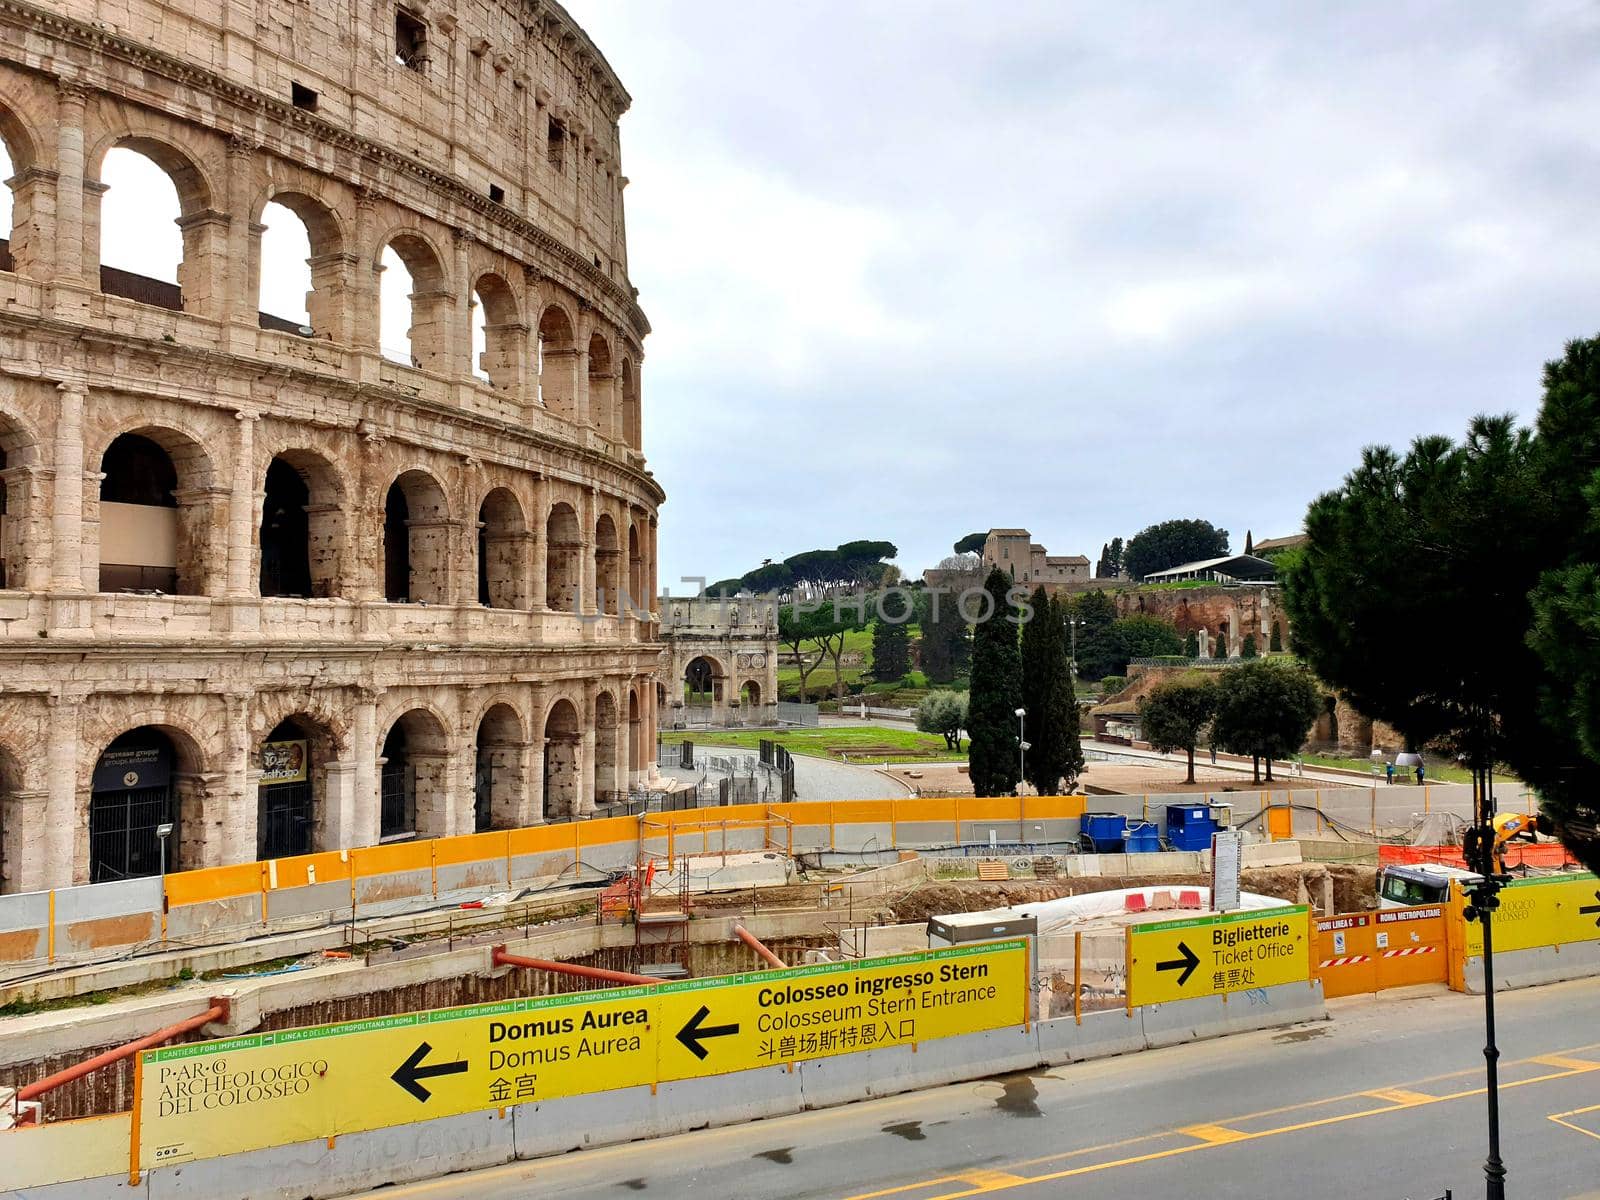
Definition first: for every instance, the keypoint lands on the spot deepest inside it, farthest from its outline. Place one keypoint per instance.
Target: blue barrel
(1106, 831)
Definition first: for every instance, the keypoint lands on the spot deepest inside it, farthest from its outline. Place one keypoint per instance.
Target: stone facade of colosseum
(261, 581)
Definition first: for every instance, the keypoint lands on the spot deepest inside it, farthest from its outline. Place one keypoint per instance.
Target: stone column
(66, 505)
(586, 777)
(336, 817)
(538, 547)
(650, 565)
(586, 561)
(534, 776)
(242, 519)
(363, 302)
(364, 748)
(66, 833)
(237, 802)
(621, 777)
(33, 221)
(580, 382)
(239, 298)
(26, 814)
(71, 262)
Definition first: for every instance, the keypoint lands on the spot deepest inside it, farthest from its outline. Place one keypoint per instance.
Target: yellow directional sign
(734, 1023)
(1549, 910)
(272, 1089)
(1212, 956)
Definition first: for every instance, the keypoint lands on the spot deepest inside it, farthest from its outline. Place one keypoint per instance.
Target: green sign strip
(501, 1008)
(1254, 914)
(1580, 877)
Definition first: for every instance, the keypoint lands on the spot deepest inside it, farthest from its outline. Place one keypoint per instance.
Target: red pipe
(502, 959)
(49, 1083)
(750, 939)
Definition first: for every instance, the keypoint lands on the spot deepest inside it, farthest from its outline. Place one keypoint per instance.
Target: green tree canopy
(1448, 592)
(995, 695)
(1265, 709)
(972, 543)
(1176, 712)
(1055, 752)
(1172, 543)
(944, 713)
(891, 650)
(770, 577)
(1144, 636)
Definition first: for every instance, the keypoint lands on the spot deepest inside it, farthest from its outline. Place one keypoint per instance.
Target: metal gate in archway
(286, 819)
(122, 832)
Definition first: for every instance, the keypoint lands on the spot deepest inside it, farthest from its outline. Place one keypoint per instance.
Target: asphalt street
(1384, 1101)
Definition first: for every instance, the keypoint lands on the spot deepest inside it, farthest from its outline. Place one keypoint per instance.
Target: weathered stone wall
(1234, 611)
(493, 668)
(738, 638)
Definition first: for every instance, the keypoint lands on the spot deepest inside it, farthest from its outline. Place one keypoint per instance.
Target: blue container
(1143, 838)
(1106, 831)
(1190, 826)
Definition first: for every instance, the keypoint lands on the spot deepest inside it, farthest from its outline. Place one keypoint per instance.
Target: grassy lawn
(1438, 770)
(861, 745)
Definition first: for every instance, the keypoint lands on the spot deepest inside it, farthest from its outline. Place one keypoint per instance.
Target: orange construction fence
(1385, 948)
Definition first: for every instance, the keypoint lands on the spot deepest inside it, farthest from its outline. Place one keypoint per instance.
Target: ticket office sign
(769, 1018)
(1212, 956)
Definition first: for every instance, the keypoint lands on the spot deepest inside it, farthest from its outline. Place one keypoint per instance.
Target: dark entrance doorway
(130, 798)
(397, 791)
(286, 817)
(285, 533)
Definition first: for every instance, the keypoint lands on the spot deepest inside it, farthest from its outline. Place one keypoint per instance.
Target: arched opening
(636, 747)
(284, 287)
(562, 549)
(144, 242)
(7, 207)
(285, 533)
(152, 520)
(606, 785)
(502, 552)
(636, 596)
(702, 683)
(607, 567)
(629, 382)
(750, 695)
(11, 848)
(561, 767)
(498, 334)
(413, 305)
(17, 451)
(416, 541)
(602, 383)
(302, 518)
(497, 782)
(558, 357)
(145, 781)
(413, 778)
(286, 797)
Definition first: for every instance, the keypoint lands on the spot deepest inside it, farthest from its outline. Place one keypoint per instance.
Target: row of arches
(158, 531)
(154, 788)
(152, 210)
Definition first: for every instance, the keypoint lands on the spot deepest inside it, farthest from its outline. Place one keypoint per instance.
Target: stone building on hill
(1015, 552)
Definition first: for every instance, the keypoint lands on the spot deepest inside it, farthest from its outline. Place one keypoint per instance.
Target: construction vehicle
(1429, 883)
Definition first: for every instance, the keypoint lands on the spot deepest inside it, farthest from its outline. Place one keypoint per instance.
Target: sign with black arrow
(1186, 962)
(695, 1032)
(411, 1073)
(1588, 909)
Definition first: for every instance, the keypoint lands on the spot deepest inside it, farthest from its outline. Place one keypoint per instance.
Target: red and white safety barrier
(1348, 960)
(1403, 951)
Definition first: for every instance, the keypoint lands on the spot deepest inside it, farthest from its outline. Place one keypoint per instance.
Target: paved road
(1385, 1101)
(814, 778)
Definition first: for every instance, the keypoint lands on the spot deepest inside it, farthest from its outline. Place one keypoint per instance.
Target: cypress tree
(996, 694)
(1191, 645)
(891, 650)
(1055, 751)
(1275, 642)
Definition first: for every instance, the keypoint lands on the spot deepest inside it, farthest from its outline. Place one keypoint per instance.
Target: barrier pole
(1316, 802)
(1077, 977)
(1374, 812)
(1127, 968)
(1427, 797)
(50, 934)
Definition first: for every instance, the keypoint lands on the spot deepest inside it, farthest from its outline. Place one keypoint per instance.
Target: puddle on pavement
(784, 1155)
(633, 1185)
(1300, 1035)
(910, 1130)
(1020, 1097)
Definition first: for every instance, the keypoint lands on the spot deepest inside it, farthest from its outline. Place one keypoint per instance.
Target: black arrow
(1186, 964)
(1591, 908)
(411, 1073)
(693, 1033)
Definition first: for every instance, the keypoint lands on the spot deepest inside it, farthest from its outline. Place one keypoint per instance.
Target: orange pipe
(50, 1082)
(750, 939)
(502, 959)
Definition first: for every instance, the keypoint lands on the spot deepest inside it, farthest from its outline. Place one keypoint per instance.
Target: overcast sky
(917, 269)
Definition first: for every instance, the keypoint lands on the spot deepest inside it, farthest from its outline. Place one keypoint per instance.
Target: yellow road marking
(1577, 1112)
(990, 1179)
(1217, 1135)
(1421, 1100)
(1399, 1096)
(1562, 1060)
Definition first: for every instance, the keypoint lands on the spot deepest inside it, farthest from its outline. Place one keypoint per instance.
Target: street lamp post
(163, 832)
(1022, 749)
(1485, 897)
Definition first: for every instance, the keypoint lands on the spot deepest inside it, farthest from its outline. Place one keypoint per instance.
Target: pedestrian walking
(1389, 767)
(1420, 775)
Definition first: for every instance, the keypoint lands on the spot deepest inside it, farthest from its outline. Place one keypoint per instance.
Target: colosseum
(272, 584)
